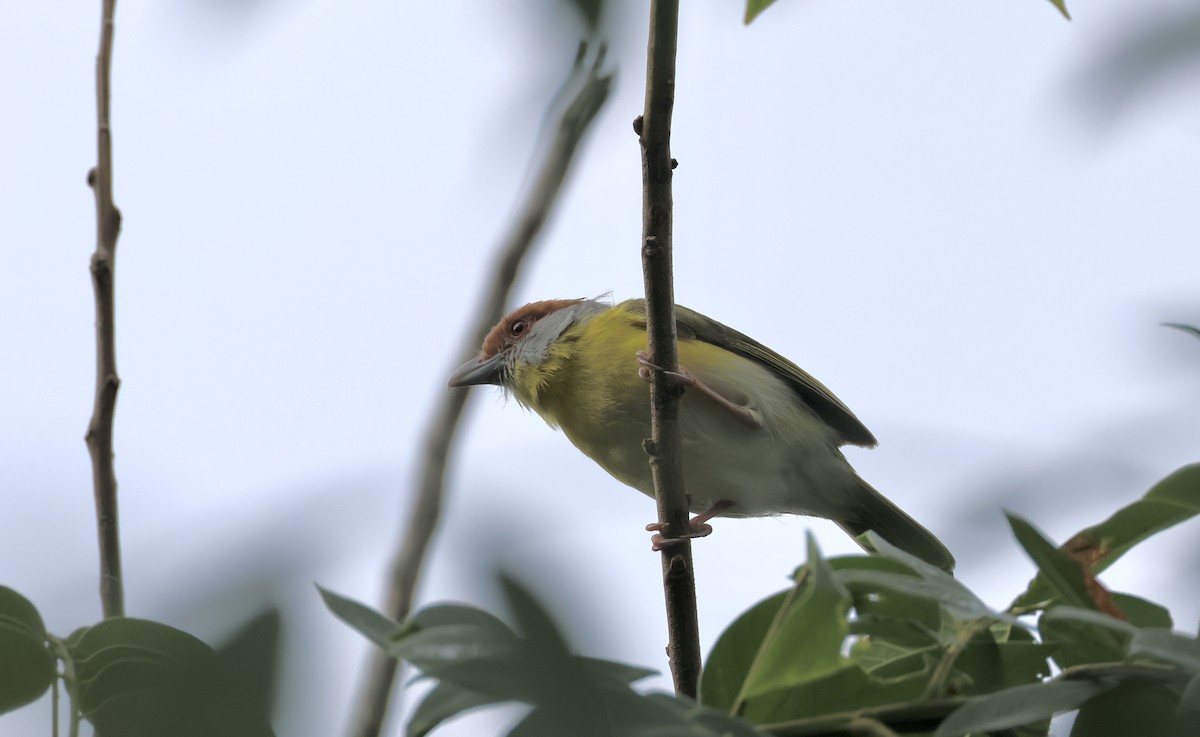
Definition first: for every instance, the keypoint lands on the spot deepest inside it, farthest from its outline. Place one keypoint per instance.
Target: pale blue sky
(909, 200)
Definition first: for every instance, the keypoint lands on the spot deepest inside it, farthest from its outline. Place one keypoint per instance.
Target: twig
(654, 130)
(99, 432)
(423, 516)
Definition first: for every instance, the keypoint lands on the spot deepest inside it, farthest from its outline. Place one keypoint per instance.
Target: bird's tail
(874, 512)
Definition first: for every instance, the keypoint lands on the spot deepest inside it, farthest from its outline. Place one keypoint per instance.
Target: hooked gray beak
(476, 372)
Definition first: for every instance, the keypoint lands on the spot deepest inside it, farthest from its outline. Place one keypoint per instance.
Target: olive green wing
(692, 325)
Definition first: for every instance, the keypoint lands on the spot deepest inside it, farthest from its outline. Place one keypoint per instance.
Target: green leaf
(27, 667)
(730, 659)
(1081, 636)
(1062, 8)
(1190, 329)
(888, 613)
(1143, 613)
(926, 582)
(1018, 705)
(1173, 500)
(1024, 662)
(1136, 708)
(1167, 647)
(1063, 573)
(249, 661)
(439, 615)
(138, 678)
(445, 701)
(1190, 700)
(437, 648)
(847, 690)
(806, 641)
(376, 627)
(619, 672)
(688, 719)
(755, 7)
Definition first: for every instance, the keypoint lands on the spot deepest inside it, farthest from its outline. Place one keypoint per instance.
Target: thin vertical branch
(100, 428)
(654, 128)
(425, 512)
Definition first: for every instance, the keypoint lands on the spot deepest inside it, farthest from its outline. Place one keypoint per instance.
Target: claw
(745, 415)
(697, 527)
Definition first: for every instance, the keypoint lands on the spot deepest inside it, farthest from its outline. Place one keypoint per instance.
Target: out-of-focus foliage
(888, 641)
(1171, 501)
(135, 677)
(138, 677)
(1154, 49)
(756, 7)
(1189, 329)
(478, 660)
(26, 663)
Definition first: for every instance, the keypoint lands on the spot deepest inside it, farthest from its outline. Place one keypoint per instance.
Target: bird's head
(519, 353)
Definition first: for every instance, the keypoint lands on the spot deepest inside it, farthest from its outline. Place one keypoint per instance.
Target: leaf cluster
(884, 645)
(139, 678)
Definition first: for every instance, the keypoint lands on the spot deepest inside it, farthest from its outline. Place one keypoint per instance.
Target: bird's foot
(697, 527)
(658, 541)
(745, 415)
(647, 369)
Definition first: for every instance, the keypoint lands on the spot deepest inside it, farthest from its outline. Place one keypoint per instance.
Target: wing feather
(691, 325)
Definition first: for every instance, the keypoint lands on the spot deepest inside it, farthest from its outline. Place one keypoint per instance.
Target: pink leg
(697, 527)
(743, 415)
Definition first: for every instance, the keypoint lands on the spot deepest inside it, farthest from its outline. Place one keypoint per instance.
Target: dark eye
(518, 328)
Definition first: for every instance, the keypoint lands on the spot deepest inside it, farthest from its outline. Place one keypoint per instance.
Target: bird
(760, 436)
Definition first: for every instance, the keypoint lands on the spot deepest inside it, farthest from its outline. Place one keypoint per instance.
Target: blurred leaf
(471, 656)
(1161, 46)
(438, 615)
(926, 582)
(1062, 8)
(479, 660)
(1019, 705)
(884, 659)
(589, 10)
(754, 8)
(806, 641)
(847, 690)
(1142, 613)
(1063, 573)
(1171, 501)
(138, 678)
(620, 672)
(730, 659)
(1088, 616)
(1190, 329)
(250, 661)
(1190, 700)
(1135, 707)
(894, 623)
(690, 720)
(1024, 662)
(1167, 647)
(979, 667)
(889, 613)
(376, 627)
(446, 700)
(28, 666)
(1082, 636)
